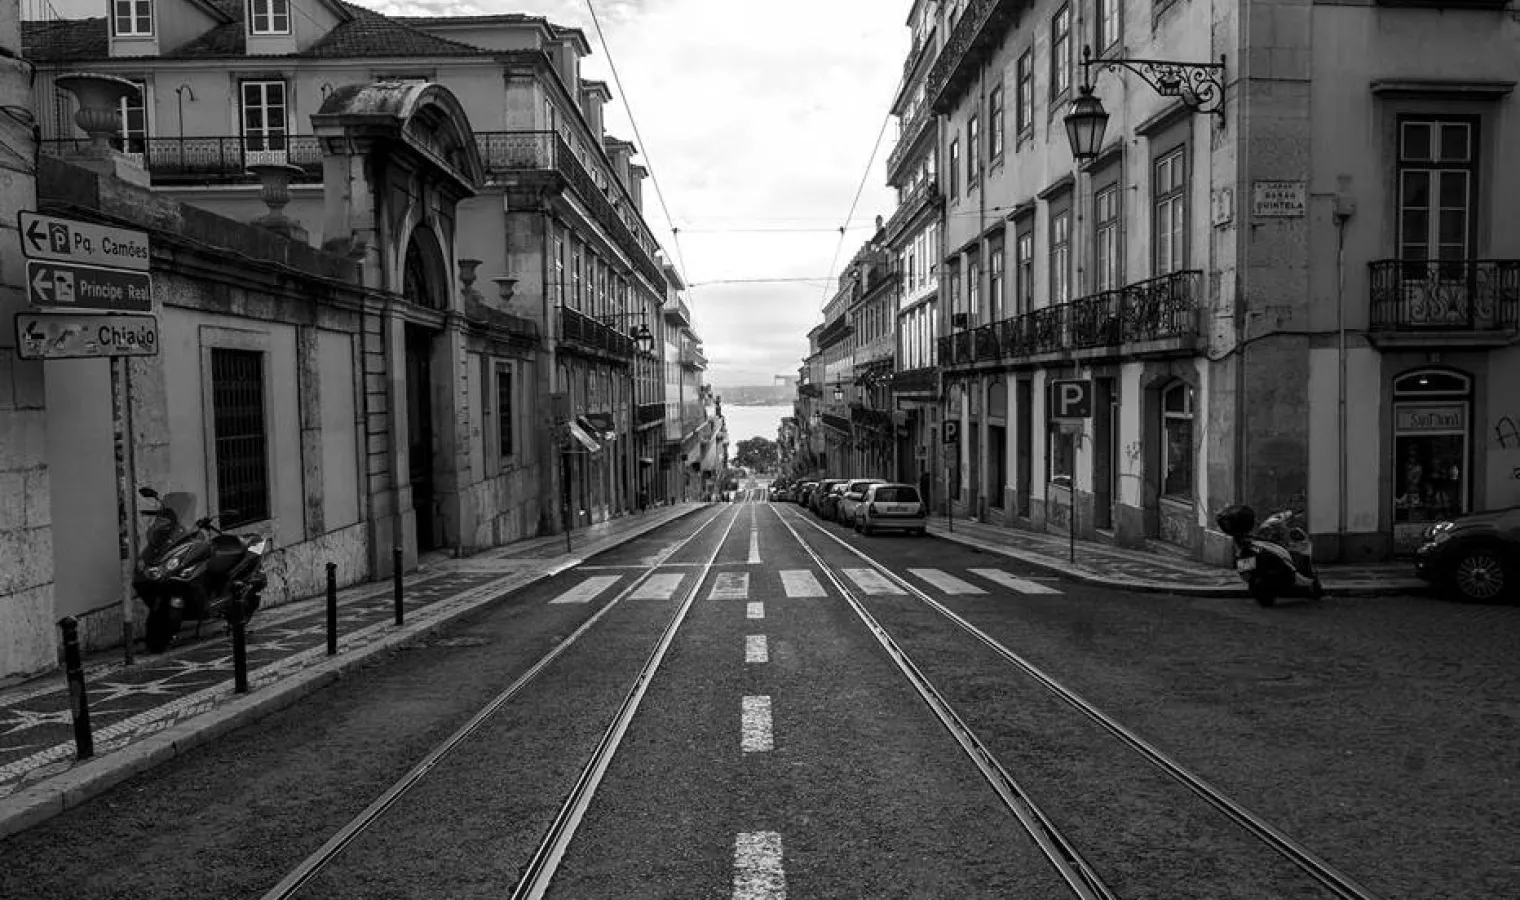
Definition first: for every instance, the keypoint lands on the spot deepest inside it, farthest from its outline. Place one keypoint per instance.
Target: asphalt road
(778, 750)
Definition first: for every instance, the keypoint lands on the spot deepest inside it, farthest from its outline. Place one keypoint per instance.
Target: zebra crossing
(804, 584)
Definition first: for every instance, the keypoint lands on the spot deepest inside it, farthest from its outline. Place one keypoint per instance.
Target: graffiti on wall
(1506, 433)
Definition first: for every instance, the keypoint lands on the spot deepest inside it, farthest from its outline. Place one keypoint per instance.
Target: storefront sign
(1431, 418)
(1277, 199)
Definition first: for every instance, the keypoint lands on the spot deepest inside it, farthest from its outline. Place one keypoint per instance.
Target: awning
(586, 440)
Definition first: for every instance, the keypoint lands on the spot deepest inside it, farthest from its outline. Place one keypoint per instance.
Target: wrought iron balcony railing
(980, 27)
(836, 422)
(650, 413)
(908, 137)
(1159, 308)
(211, 160)
(580, 330)
(1472, 295)
(925, 194)
(916, 381)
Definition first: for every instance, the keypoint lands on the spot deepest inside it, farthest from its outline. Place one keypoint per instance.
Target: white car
(854, 494)
(895, 506)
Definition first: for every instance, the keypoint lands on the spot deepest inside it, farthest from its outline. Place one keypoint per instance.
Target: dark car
(1474, 557)
(828, 502)
(824, 488)
(804, 493)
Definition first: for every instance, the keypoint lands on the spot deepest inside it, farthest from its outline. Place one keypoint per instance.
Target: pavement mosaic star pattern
(129, 702)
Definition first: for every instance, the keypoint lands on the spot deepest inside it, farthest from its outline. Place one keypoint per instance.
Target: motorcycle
(197, 572)
(1274, 560)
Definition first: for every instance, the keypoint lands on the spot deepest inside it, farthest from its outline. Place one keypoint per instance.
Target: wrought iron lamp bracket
(1200, 86)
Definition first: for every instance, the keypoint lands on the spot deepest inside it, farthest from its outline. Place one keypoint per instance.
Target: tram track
(1326, 876)
(561, 829)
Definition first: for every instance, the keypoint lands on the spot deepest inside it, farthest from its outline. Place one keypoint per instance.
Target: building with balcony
(688, 401)
(872, 281)
(223, 120)
(1303, 293)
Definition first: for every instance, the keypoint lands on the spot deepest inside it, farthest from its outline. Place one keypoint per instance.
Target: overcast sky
(754, 115)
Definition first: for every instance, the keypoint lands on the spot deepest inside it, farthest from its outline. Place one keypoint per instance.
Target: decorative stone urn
(99, 115)
(506, 286)
(467, 269)
(274, 190)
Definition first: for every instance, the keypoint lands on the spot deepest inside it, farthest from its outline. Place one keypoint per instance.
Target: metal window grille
(242, 446)
(504, 410)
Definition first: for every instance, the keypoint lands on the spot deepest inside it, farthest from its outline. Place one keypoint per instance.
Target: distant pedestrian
(923, 487)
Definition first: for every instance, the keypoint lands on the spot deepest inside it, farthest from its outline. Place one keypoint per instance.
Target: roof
(369, 33)
(65, 39)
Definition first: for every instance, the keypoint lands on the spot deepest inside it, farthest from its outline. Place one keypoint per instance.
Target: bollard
(79, 704)
(396, 577)
(239, 646)
(332, 609)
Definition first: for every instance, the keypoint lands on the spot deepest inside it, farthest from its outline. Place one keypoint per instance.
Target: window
(269, 16)
(955, 287)
(1106, 25)
(1023, 298)
(1170, 192)
(576, 261)
(264, 127)
(1106, 240)
(995, 124)
(1061, 453)
(559, 269)
(132, 18)
(973, 150)
(995, 281)
(1177, 441)
(1060, 256)
(134, 120)
(954, 188)
(239, 437)
(973, 289)
(504, 445)
(1060, 53)
(1023, 118)
(1437, 168)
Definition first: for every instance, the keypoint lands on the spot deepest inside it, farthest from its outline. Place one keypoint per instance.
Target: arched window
(1431, 446)
(415, 283)
(1177, 441)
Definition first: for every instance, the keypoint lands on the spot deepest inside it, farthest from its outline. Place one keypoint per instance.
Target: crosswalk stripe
(659, 587)
(1022, 585)
(587, 590)
(730, 586)
(947, 582)
(871, 581)
(801, 583)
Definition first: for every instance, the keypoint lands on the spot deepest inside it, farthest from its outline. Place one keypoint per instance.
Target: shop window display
(1430, 451)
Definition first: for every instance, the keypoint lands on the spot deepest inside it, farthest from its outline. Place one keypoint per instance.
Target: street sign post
(69, 286)
(49, 335)
(85, 243)
(1071, 399)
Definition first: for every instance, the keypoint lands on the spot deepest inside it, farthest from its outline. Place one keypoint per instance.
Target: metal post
(332, 609)
(396, 582)
(239, 646)
(564, 469)
(79, 704)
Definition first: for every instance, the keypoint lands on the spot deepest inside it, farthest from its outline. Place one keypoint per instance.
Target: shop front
(1432, 452)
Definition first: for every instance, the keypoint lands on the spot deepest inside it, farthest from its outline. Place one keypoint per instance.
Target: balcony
(579, 333)
(910, 136)
(178, 162)
(980, 29)
(693, 358)
(1444, 304)
(916, 381)
(920, 198)
(837, 423)
(677, 313)
(510, 154)
(1156, 317)
(648, 414)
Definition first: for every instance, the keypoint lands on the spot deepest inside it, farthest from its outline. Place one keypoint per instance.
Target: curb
(1082, 576)
(33, 805)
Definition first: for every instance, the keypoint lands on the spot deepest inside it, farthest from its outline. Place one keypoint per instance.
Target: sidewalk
(1159, 572)
(162, 705)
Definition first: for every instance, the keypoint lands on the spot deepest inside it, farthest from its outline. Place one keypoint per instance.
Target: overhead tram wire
(675, 233)
(843, 229)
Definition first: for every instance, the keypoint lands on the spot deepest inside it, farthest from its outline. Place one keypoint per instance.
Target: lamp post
(1198, 85)
(644, 339)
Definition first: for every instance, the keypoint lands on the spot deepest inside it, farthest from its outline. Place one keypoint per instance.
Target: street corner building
(324, 189)
(1154, 259)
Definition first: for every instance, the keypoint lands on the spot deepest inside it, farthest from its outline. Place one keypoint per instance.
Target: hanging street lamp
(1198, 85)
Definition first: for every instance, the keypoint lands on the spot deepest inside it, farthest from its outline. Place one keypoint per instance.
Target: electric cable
(885, 121)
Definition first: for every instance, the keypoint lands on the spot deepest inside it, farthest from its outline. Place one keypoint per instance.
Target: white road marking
(756, 610)
(754, 547)
(1022, 585)
(587, 590)
(871, 581)
(947, 582)
(758, 874)
(756, 649)
(801, 583)
(755, 725)
(730, 586)
(659, 587)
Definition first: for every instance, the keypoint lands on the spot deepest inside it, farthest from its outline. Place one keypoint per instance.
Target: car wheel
(1479, 575)
(856, 523)
(1263, 591)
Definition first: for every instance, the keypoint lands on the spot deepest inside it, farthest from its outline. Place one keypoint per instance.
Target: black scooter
(1274, 560)
(194, 573)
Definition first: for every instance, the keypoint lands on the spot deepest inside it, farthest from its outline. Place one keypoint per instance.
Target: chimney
(99, 116)
(594, 96)
(621, 154)
(636, 176)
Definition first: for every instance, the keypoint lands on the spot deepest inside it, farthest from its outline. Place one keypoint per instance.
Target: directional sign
(1071, 399)
(49, 237)
(48, 335)
(586, 440)
(88, 287)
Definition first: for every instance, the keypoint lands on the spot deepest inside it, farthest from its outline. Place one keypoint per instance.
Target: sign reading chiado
(47, 335)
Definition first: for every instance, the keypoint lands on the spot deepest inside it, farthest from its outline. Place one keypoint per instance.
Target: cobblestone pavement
(130, 703)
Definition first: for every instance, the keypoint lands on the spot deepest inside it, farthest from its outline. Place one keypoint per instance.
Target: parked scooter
(1275, 559)
(194, 572)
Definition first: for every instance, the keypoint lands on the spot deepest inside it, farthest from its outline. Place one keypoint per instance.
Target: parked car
(821, 493)
(889, 505)
(828, 503)
(854, 494)
(1475, 557)
(805, 493)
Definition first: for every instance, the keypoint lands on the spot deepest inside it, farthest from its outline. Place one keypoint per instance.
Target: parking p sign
(951, 433)
(1071, 399)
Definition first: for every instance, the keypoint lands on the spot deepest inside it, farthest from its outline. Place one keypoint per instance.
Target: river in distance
(745, 422)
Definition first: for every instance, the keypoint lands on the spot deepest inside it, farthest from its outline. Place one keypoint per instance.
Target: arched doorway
(423, 283)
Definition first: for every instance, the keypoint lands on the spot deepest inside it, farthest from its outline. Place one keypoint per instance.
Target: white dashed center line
(755, 725)
(754, 547)
(756, 649)
(756, 610)
(758, 874)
